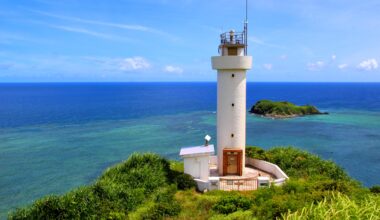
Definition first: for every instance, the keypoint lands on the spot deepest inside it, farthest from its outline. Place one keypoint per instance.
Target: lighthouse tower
(232, 65)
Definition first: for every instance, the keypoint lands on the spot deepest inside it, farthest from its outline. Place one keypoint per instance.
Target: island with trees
(283, 109)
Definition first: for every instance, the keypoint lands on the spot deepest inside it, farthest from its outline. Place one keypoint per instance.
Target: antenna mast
(246, 28)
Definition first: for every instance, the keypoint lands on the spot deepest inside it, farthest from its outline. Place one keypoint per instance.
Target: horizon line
(56, 82)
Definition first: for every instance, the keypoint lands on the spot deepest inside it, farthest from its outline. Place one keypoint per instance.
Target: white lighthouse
(228, 170)
(232, 65)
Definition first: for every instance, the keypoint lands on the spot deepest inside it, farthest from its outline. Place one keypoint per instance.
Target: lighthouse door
(232, 162)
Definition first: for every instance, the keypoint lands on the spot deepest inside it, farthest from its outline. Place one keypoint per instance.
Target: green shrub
(182, 180)
(77, 204)
(238, 215)
(148, 171)
(165, 205)
(230, 204)
(270, 204)
(375, 189)
(292, 187)
(162, 205)
(298, 163)
(255, 152)
(49, 207)
(185, 181)
(177, 166)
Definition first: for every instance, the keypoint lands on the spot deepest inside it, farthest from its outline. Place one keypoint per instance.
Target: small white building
(196, 161)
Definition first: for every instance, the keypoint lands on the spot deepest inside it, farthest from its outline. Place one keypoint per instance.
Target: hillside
(147, 186)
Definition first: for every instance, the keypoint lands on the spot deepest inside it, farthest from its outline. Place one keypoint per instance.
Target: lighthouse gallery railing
(235, 38)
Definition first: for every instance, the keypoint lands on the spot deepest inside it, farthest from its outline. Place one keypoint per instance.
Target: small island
(272, 109)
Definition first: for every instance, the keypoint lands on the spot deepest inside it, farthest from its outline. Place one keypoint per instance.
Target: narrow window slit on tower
(232, 135)
(233, 104)
(233, 75)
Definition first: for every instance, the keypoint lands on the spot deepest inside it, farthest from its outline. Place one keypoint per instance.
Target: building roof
(197, 151)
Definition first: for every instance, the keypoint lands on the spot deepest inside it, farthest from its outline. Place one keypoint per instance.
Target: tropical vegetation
(148, 186)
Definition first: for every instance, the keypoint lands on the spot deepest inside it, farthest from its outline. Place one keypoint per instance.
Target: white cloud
(9, 38)
(173, 69)
(268, 66)
(315, 66)
(342, 66)
(368, 65)
(284, 57)
(258, 41)
(89, 32)
(333, 57)
(134, 63)
(4, 66)
(134, 27)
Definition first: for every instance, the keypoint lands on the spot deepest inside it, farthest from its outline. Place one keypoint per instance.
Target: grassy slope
(143, 185)
(149, 187)
(339, 206)
(277, 109)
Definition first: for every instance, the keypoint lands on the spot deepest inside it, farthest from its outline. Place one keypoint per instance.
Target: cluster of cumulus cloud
(140, 63)
(365, 65)
(368, 65)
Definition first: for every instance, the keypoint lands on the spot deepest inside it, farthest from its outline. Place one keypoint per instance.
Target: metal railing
(232, 38)
(237, 184)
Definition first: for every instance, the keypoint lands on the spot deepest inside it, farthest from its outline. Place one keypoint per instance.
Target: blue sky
(173, 40)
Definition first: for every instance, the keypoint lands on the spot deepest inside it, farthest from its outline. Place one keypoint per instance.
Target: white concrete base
(280, 176)
(202, 185)
(265, 174)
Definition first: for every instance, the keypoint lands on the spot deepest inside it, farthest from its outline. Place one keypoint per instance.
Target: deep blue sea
(57, 136)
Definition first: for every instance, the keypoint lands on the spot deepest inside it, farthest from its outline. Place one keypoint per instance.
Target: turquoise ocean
(58, 136)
